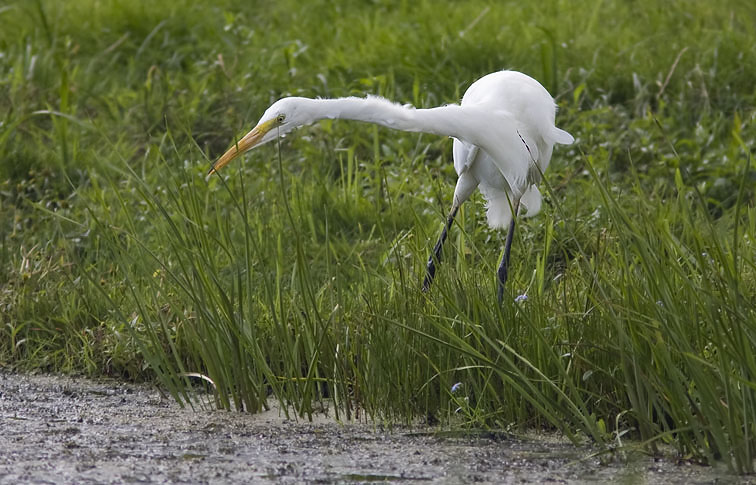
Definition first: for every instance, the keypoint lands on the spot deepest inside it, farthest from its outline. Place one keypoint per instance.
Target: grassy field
(297, 274)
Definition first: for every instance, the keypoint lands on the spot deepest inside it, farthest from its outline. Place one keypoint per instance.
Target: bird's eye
(281, 118)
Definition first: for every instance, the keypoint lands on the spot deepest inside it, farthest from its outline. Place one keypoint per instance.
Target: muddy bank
(71, 430)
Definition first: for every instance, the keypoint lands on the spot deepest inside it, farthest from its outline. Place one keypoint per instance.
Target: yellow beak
(248, 142)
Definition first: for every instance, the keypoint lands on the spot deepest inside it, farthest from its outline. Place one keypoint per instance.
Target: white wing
(464, 155)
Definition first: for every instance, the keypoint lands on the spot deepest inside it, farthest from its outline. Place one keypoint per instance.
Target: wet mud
(67, 430)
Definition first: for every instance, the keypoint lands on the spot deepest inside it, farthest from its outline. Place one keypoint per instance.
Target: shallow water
(73, 430)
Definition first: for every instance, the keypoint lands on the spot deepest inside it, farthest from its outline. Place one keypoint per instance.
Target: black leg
(436, 254)
(504, 266)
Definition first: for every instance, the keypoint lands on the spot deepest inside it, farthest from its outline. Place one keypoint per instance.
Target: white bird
(503, 133)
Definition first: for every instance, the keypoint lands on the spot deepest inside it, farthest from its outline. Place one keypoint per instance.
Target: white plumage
(523, 100)
(503, 131)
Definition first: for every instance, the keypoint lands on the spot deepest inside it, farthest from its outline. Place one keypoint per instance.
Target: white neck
(444, 120)
(496, 132)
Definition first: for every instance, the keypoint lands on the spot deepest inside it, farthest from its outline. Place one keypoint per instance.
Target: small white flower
(456, 387)
(520, 298)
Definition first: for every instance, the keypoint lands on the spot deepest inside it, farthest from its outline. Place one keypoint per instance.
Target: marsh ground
(76, 430)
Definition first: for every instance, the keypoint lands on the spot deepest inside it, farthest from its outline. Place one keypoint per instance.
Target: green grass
(295, 276)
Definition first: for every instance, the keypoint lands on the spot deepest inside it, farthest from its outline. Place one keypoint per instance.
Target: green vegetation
(296, 275)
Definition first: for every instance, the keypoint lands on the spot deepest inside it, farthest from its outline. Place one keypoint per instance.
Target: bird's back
(524, 98)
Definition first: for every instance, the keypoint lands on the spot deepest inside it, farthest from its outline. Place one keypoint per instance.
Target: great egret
(503, 134)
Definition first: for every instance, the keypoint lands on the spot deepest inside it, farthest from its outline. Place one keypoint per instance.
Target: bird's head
(283, 116)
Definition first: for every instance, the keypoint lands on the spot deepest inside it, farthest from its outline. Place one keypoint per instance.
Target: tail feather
(499, 212)
(562, 137)
(531, 200)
